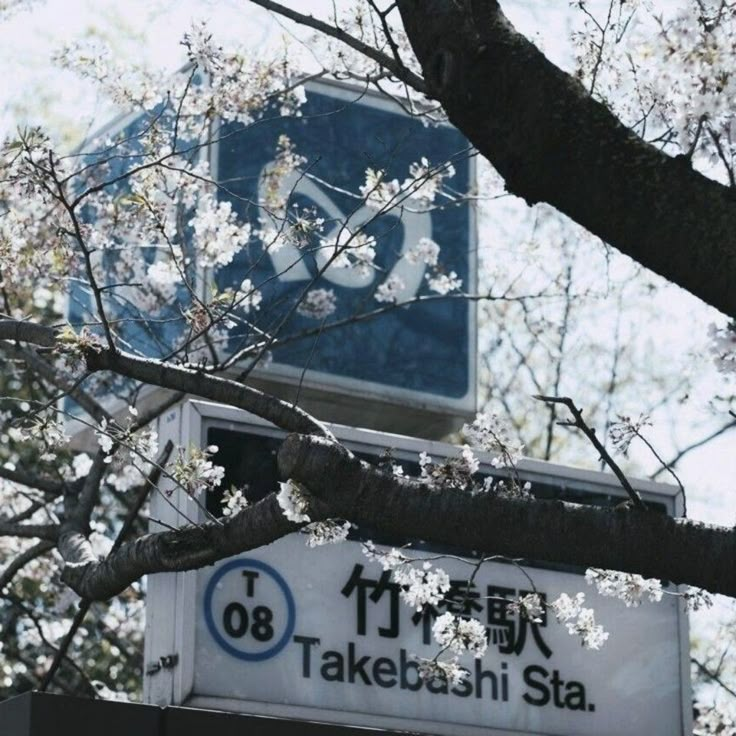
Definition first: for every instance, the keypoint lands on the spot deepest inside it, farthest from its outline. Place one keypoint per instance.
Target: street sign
(321, 634)
(407, 364)
(422, 354)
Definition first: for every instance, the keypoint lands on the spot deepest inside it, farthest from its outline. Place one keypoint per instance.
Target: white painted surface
(639, 682)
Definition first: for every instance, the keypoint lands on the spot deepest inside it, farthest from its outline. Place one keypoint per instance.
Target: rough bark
(553, 143)
(173, 551)
(223, 390)
(644, 542)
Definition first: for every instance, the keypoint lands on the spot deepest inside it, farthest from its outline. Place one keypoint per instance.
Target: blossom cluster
(195, 472)
(722, 347)
(460, 635)
(218, 235)
(140, 443)
(421, 583)
(239, 84)
(294, 501)
(318, 304)
(329, 531)
(45, 430)
(625, 430)
(579, 621)
(443, 670)
(420, 188)
(233, 501)
(713, 721)
(490, 433)
(629, 588)
(530, 606)
(454, 473)
(391, 290)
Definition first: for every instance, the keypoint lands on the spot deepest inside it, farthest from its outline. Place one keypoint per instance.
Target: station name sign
(324, 634)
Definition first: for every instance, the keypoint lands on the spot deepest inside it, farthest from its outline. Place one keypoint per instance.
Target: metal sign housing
(319, 634)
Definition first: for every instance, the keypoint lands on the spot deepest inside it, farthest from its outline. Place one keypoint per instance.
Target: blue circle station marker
(283, 587)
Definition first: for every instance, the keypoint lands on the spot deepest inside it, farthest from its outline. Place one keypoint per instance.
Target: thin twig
(712, 676)
(699, 443)
(666, 467)
(384, 60)
(7, 575)
(580, 424)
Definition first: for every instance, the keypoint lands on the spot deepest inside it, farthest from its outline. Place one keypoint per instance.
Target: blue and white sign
(414, 347)
(424, 350)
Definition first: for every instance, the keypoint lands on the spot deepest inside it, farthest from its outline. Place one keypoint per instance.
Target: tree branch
(48, 532)
(188, 548)
(14, 567)
(64, 383)
(605, 456)
(552, 142)
(13, 329)
(645, 542)
(393, 65)
(45, 485)
(714, 676)
(685, 450)
(222, 390)
(177, 378)
(84, 605)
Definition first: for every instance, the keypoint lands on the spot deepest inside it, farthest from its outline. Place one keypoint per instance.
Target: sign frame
(330, 396)
(171, 611)
(318, 385)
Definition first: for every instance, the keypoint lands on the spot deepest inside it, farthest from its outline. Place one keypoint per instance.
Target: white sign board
(322, 635)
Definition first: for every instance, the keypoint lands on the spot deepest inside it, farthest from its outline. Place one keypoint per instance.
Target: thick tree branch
(552, 142)
(185, 549)
(177, 378)
(643, 542)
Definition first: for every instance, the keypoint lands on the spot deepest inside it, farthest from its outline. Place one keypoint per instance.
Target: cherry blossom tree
(649, 172)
